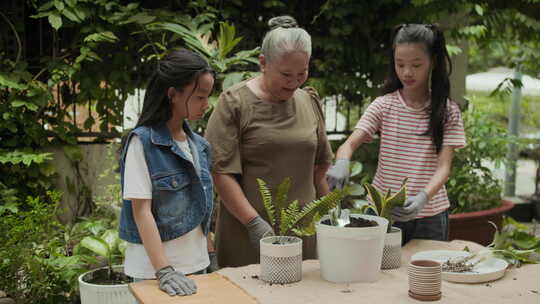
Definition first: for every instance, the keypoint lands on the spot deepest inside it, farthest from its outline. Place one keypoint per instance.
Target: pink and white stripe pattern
(404, 151)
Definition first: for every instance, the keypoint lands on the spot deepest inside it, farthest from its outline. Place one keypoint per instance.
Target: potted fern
(382, 205)
(281, 255)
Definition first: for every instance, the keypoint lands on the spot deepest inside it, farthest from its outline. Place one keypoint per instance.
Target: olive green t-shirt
(252, 138)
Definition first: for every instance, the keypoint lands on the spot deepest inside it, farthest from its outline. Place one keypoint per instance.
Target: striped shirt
(404, 152)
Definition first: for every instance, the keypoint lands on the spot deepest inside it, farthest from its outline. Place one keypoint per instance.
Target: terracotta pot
(475, 226)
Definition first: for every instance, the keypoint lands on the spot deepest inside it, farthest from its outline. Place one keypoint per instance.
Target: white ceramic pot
(104, 294)
(281, 263)
(351, 254)
(391, 258)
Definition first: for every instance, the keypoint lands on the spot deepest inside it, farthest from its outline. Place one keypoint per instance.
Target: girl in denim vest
(167, 188)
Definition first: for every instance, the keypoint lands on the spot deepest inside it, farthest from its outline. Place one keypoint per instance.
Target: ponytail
(440, 87)
(433, 38)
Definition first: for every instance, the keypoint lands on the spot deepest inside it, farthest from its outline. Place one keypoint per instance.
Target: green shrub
(497, 107)
(36, 260)
(472, 186)
(24, 173)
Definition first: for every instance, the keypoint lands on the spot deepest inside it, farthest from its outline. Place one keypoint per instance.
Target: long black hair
(433, 39)
(178, 69)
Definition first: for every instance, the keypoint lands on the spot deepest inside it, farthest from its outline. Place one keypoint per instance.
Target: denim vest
(182, 191)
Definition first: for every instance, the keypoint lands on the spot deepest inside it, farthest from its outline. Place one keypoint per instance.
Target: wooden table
(211, 288)
(518, 286)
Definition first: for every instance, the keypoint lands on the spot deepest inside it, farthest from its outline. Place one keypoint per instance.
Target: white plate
(488, 270)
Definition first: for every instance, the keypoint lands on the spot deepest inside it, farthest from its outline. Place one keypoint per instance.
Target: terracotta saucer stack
(424, 280)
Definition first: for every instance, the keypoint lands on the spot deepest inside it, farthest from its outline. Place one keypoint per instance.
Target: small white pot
(281, 263)
(392, 249)
(351, 254)
(104, 294)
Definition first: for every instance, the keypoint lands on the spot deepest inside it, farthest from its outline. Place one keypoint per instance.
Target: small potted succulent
(281, 255)
(382, 205)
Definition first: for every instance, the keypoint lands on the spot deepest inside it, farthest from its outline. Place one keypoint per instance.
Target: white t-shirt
(187, 253)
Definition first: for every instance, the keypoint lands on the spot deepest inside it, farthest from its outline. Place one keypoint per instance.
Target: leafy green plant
(288, 217)
(37, 261)
(198, 35)
(382, 204)
(109, 246)
(515, 243)
(472, 186)
(24, 173)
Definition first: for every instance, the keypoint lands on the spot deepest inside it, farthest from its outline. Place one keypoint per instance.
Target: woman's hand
(258, 229)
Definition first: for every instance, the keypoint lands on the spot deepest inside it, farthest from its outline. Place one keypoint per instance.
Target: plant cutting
(382, 205)
(281, 255)
(107, 284)
(514, 243)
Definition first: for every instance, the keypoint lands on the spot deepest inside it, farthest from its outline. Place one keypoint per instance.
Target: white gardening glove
(412, 207)
(338, 175)
(257, 229)
(174, 282)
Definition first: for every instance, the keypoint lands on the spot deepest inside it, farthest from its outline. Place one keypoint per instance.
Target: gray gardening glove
(174, 282)
(412, 206)
(258, 229)
(338, 175)
(214, 266)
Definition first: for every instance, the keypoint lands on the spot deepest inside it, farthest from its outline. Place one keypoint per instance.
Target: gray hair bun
(282, 21)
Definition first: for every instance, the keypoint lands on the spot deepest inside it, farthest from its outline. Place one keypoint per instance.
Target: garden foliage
(472, 185)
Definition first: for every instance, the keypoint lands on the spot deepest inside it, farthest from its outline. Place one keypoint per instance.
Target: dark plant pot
(523, 211)
(535, 202)
(475, 226)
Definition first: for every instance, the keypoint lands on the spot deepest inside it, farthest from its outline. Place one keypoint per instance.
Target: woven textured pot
(281, 263)
(391, 258)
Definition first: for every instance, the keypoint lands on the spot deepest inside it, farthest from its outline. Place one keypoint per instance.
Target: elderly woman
(267, 127)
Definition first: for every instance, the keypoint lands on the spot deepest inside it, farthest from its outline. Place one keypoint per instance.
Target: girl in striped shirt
(419, 129)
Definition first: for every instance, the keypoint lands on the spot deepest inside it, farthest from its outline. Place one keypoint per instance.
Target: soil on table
(356, 222)
(101, 277)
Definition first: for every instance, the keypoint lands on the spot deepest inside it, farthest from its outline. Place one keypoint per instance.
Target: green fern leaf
(284, 221)
(288, 215)
(321, 206)
(310, 229)
(266, 196)
(282, 193)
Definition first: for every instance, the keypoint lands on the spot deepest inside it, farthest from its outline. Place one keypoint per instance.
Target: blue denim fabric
(182, 191)
(430, 228)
